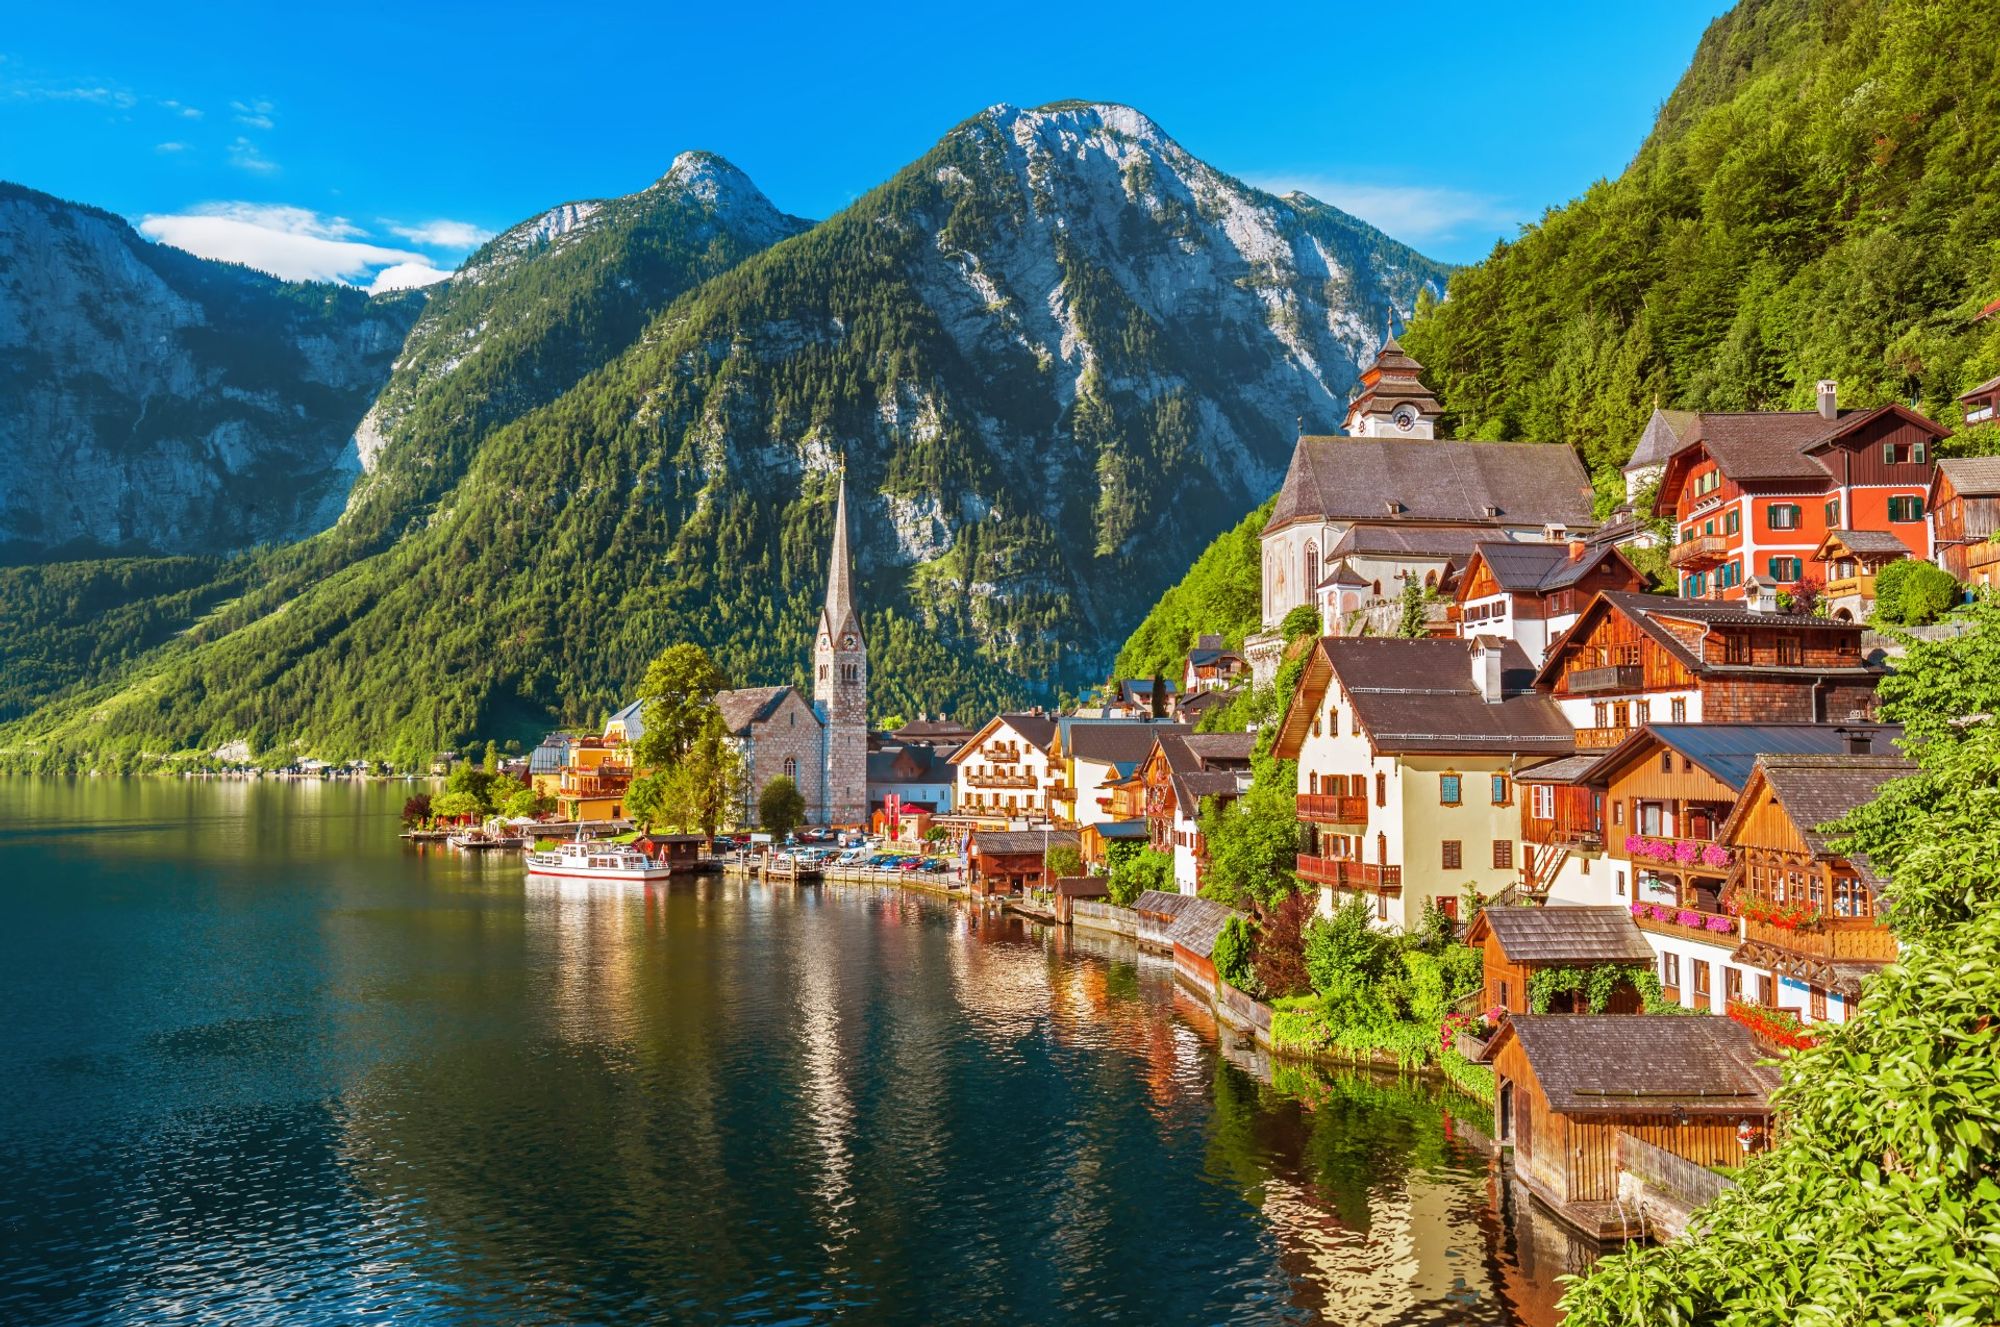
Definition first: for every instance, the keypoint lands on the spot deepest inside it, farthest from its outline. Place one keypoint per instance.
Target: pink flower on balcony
(1662, 913)
(1715, 855)
(1720, 924)
(1686, 853)
(1633, 843)
(1687, 917)
(1642, 910)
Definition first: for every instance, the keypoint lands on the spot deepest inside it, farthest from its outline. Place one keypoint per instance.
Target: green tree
(453, 805)
(1133, 867)
(781, 807)
(1062, 860)
(702, 789)
(492, 762)
(473, 782)
(1253, 839)
(676, 698)
(1910, 593)
(1235, 946)
(1410, 625)
(647, 799)
(1301, 621)
(525, 801)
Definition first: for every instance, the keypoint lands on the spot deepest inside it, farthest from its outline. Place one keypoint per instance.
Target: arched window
(1312, 566)
(1430, 580)
(1378, 589)
(792, 768)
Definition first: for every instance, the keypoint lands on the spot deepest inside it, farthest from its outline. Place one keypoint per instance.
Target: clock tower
(1393, 401)
(840, 685)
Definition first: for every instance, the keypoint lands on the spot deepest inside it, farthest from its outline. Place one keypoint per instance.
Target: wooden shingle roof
(1563, 934)
(1199, 922)
(1639, 1064)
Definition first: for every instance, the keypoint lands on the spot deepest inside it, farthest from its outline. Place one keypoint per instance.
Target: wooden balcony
(1703, 550)
(1701, 931)
(1612, 677)
(1332, 809)
(1675, 854)
(1001, 780)
(1833, 939)
(1600, 739)
(1341, 873)
(1841, 587)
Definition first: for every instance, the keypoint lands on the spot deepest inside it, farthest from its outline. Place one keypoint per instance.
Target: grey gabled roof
(1199, 922)
(1123, 742)
(1815, 791)
(1418, 695)
(1014, 842)
(1162, 902)
(749, 705)
(1638, 1064)
(1972, 476)
(634, 720)
(1666, 433)
(1336, 478)
(1561, 934)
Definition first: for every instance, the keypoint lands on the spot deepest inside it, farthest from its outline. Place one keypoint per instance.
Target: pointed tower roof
(839, 615)
(1393, 379)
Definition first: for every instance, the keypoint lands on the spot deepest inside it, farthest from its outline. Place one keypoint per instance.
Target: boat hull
(646, 876)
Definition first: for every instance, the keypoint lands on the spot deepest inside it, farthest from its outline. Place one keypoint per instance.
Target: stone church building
(821, 744)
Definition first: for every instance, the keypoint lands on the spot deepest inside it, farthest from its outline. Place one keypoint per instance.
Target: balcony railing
(1333, 808)
(1001, 780)
(1713, 928)
(1835, 939)
(1676, 854)
(1704, 550)
(1611, 677)
(1600, 739)
(1342, 873)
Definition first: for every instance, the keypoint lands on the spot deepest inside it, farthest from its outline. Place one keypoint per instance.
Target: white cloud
(295, 243)
(256, 114)
(243, 155)
(442, 234)
(170, 147)
(1413, 213)
(185, 112)
(406, 276)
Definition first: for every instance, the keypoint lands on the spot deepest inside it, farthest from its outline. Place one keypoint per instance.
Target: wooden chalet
(1810, 915)
(1012, 861)
(1752, 494)
(1965, 514)
(1634, 659)
(1852, 558)
(1531, 593)
(1518, 942)
(1179, 774)
(1982, 403)
(1568, 1086)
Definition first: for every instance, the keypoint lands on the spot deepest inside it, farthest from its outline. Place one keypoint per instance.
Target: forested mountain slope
(1053, 354)
(152, 401)
(1820, 198)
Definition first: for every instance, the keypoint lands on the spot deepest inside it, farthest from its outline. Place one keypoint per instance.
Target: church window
(792, 768)
(1312, 565)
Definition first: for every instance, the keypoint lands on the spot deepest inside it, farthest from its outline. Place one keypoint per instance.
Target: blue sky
(345, 143)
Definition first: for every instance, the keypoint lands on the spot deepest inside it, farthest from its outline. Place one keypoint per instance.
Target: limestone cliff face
(152, 401)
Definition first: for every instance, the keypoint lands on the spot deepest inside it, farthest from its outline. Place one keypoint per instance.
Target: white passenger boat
(583, 860)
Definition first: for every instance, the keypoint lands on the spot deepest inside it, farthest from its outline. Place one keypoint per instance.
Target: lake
(262, 1062)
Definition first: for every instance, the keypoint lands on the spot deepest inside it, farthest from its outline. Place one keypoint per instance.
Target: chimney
(1759, 597)
(1829, 399)
(1576, 547)
(1860, 742)
(1486, 669)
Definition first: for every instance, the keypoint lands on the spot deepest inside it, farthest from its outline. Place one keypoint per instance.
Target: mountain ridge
(1053, 353)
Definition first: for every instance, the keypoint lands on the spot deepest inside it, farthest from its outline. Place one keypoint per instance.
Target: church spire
(839, 616)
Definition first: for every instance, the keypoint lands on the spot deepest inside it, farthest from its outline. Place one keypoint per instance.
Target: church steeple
(1393, 401)
(838, 617)
(840, 682)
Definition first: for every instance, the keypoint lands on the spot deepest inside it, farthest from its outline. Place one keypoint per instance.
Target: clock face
(823, 641)
(847, 642)
(1405, 417)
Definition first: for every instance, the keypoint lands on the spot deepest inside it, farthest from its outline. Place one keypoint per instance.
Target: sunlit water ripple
(264, 1064)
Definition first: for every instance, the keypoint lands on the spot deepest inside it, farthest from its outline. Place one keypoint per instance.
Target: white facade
(1641, 708)
(1494, 615)
(1002, 775)
(1410, 821)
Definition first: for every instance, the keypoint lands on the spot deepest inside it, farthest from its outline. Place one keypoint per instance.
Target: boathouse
(680, 852)
(1519, 942)
(1012, 861)
(1070, 888)
(1193, 936)
(1566, 1086)
(1158, 910)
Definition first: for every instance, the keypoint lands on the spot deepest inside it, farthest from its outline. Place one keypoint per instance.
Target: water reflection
(271, 1064)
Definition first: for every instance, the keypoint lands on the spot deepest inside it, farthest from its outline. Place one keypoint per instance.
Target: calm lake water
(263, 1063)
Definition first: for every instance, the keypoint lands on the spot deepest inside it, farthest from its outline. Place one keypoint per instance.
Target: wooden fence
(1095, 916)
(1666, 1188)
